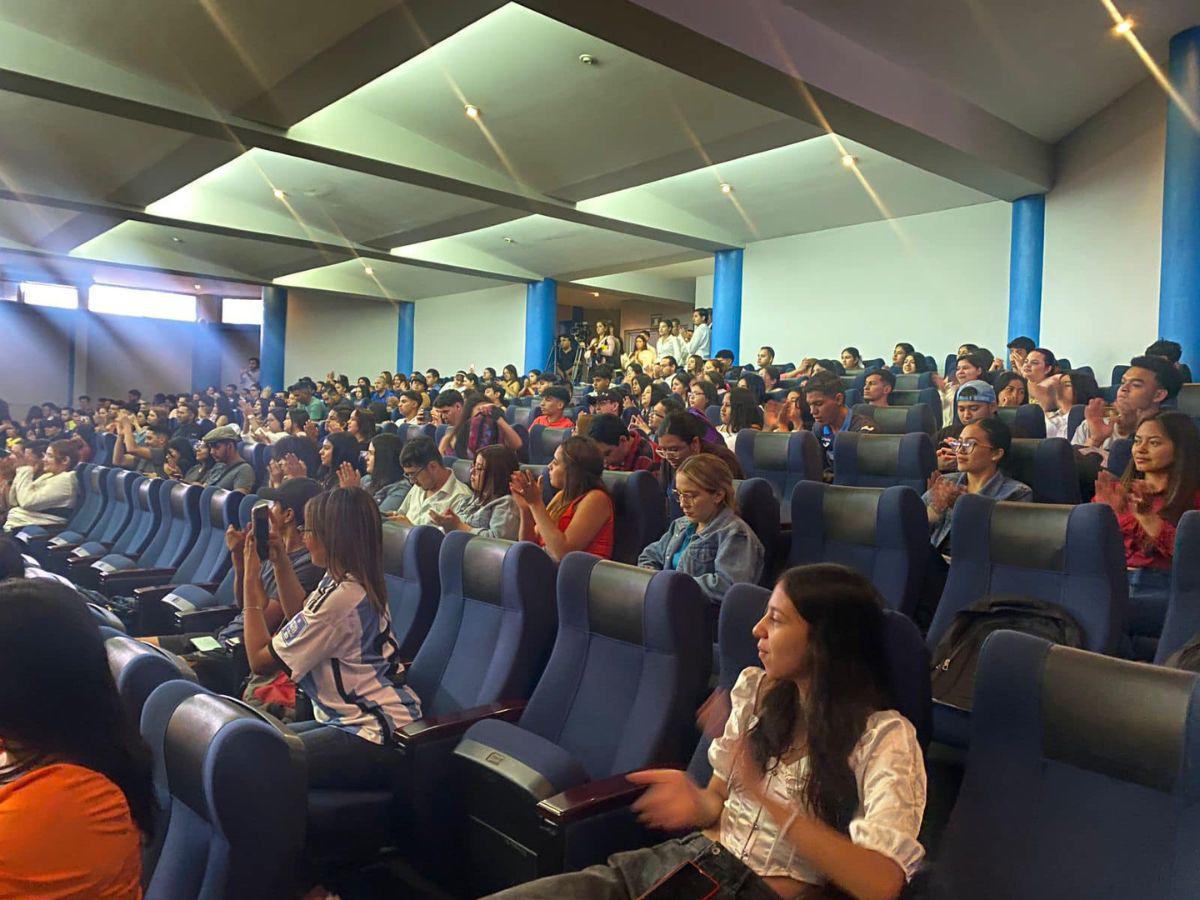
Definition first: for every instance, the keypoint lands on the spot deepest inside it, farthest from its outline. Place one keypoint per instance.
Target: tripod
(576, 364)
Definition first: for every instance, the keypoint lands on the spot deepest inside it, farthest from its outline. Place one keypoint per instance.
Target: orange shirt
(66, 831)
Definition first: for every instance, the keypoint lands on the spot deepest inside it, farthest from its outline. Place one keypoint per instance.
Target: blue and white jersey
(340, 650)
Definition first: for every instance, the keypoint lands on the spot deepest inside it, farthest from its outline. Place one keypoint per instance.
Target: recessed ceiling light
(278, 194)
(472, 111)
(1123, 27)
(508, 240)
(176, 240)
(196, 287)
(726, 188)
(849, 161)
(369, 270)
(595, 293)
(587, 59)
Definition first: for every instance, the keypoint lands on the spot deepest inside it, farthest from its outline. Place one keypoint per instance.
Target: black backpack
(957, 653)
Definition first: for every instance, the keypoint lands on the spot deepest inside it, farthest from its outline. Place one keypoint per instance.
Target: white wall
(936, 280)
(1103, 234)
(485, 327)
(704, 286)
(347, 335)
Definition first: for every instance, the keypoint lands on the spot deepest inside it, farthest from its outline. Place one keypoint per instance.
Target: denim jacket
(725, 552)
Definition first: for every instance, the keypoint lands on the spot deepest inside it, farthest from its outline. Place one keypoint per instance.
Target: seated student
(76, 795)
(447, 407)
(361, 426)
(272, 429)
(180, 458)
(1041, 374)
(1172, 352)
(1069, 388)
(910, 366)
(967, 368)
(709, 541)
(610, 402)
(39, 490)
(602, 376)
(836, 813)
(336, 645)
(476, 424)
(202, 461)
(492, 512)
(384, 480)
(337, 420)
(878, 387)
(493, 393)
(666, 368)
(1018, 349)
(434, 487)
(146, 457)
(753, 382)
(851, 360)
(410, 408)
(702, 395)
(186, 425)
(1011, 389)
(680, 437)
(791, 415)
(293, 457)
(555, 399)
(976, 400)
(510, 380)
(826, 401)
(229, 470)
(663, 407)
(224, 668)
(1161, 483)
(979, 453)
(1147, 383)
(738, 412)
(580, 514)
(902, 351)
(623, 450)
(296, 423)
(337, 448)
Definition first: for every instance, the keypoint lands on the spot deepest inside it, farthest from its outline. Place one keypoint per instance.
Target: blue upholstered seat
(861, 459)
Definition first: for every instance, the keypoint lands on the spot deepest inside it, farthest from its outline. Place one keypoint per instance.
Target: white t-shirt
(452, 495)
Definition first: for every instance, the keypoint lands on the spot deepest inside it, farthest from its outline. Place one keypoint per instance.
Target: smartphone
(262, 529)
(206, 643)
(687, 881)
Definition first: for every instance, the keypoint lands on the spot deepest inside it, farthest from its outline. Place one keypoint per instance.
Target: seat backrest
(147, 515)
(737, 650)
(208, 559)
(1071, 556)
(544, 441)
(1120, 454)
(518, 415)
(1183, 605)
(882, 533)
(759, 508)
(639, 512)
(119, 508)
(898, 419)
(929, 396)
(180, 524)
(1118, 372)
(462, 470)
(91, 504)
(388, 427)
(630, 660)
(138, 669)
(408, 432)
(232, 785)
(783, 459)
(410, 569)
(245, 509)
(1047, 466)
(713, 414)
(493, 627)
(1188, 400)
(1074, 419)
(1026, 421)
(917, 381)
(862, 459)
(853, 397)
(1081, 757)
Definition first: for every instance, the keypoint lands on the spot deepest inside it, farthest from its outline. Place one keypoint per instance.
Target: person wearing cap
(968, 367)
(223, 670)
(974, 401)
(554, 400)
(623, 450)
(229, 470)
(607, 402)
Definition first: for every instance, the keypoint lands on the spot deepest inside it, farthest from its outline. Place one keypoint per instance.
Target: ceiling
(203, 143)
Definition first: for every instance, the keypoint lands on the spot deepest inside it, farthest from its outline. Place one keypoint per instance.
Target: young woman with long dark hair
(385, 479)
(816, 779)
(75, 777)
(337, 448)
(493, 511)
(580, 515)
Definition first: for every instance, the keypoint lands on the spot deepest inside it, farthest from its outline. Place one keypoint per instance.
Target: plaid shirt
(640, 458)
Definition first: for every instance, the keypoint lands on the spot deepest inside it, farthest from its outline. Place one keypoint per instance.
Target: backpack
(1186, 657)
(483, 432)
(957, 654)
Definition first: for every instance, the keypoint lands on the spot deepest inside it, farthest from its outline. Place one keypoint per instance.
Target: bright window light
(121, 301)
(241, 310)
(62, 296)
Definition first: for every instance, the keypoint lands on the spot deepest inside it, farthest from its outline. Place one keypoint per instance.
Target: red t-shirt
(602, 543)
(563, 422)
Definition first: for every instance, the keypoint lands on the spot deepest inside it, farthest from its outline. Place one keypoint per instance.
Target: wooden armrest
(588, 799)
(209, 619)
(439, 728)
(135, 575)
(80, 562)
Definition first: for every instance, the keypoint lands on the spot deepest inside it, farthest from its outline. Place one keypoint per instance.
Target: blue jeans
(338, 759)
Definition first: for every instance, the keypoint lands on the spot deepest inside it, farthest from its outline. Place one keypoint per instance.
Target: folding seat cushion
(231, 786)
(1026, 421)
(544, 441)
(1080, 779)
(410, 570)
(882, 533)
(783, 459)
(1047, 466)
(862, 459)
(629, 666)
(898, 419)
(118, 510)
(139, 531)
(639, 513)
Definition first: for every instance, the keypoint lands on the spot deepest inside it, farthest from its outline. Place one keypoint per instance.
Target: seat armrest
(128, 579)
(430, 729)
(209, 619)
(158, 591)
(588, 799)
(81, 562)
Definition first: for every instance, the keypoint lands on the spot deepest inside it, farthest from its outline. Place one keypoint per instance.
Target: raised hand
(526, 490)
(235, 538)
(293, 467)
(1099, 428)
(348, 476)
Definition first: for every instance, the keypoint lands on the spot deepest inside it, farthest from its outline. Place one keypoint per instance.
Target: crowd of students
(815, 778)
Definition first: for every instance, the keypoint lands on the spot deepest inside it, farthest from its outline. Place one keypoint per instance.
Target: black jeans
(339, 759)
(631, 873)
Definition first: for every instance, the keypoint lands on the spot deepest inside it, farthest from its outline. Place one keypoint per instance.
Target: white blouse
(887, 764)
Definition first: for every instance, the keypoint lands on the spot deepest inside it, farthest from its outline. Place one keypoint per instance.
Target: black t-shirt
(193, 431)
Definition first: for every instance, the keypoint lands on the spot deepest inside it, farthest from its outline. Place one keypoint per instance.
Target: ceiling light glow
(196, 287)
(849, 161)
(726, 188)
(1123, 27)
(176, 240)
(508, 240)
(472, 111)
(587, 59)
(278, 194)
(369, 270)
(595, 293)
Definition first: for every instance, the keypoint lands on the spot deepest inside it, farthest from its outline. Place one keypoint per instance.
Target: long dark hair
(499, 464)
(1183, 478)
(847, 682)
(304, 450)
(345, 449)
(64, 706)
(346, 522)
(387, 468)
(584, 471)
(743, 411)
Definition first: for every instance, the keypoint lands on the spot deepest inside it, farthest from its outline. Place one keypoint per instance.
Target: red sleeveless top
(602, 543)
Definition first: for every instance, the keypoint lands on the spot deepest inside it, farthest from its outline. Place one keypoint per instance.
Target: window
(62, 296)
(121, 301)
(241, 310)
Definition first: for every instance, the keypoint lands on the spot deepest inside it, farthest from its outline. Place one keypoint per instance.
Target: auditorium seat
(861, 459)
(87, 510)
(1070, 556)
(630, 665)
(1074, 419)
(919, 381)
(388, 428)
(852, 397)
(106, 618)
(876, 363)
(1080, 779)
(117, 511)
(1183, 605)
(138, 668)
(639, 512)
(760, 509)
(1047, 466)
(408, 432)
(1120, 455)
(899, 419)
(256, 455)
(410, 571)
(713, 414)
(231, 787)
(1064, 364)
(782, 459)
(519, 415)
(1027, 421)
(882, 533)
(1187, 401)
(1118, 372)
(482, 655)
(139, 531)
(544, 441)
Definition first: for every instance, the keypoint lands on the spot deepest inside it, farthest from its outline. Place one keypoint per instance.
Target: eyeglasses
(412, 476)
(668, 453)
(967, 446)
(685, 496)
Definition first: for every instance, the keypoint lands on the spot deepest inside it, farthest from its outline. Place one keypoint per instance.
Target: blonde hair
(710, 473)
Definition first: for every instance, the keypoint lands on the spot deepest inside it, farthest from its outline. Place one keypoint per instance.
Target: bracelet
(247, 607)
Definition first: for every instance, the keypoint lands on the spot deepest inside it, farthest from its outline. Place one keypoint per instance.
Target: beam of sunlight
(715, 169)
(243, 53)
(1123, 27)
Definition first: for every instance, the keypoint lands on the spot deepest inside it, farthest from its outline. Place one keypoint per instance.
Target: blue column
(727, 302)
(271, 343)
(1025, 267)
(405, 329)
(1179, 283)
(541, 312)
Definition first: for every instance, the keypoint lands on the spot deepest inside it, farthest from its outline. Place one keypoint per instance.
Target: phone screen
(262, 530)
(687, 882)
(206, 643)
